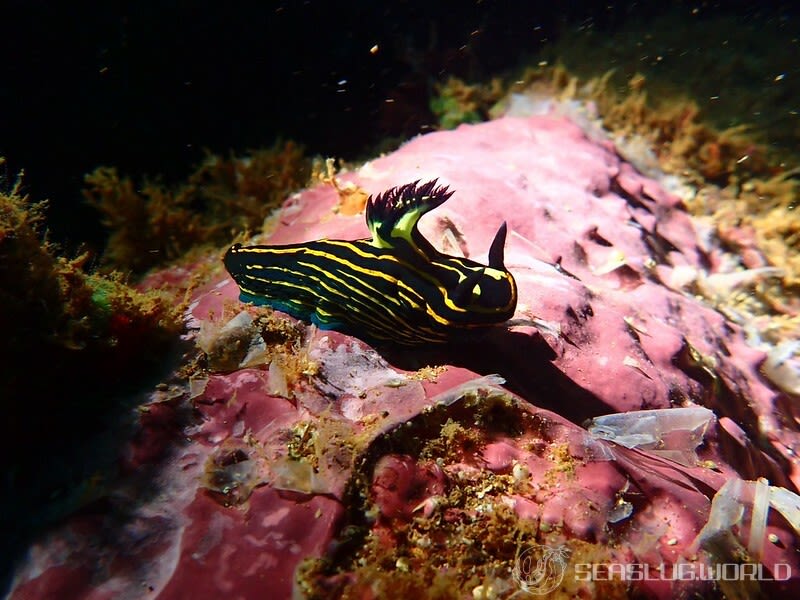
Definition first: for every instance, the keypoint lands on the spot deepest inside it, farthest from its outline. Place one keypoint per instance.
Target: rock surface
(304, 444)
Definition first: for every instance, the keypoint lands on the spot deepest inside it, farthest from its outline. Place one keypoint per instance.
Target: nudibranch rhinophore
(392, 288)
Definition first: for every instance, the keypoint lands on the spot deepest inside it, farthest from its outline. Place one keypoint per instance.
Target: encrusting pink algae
(313, 465)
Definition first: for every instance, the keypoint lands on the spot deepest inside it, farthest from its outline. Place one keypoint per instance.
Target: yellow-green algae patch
(153, 224)
(72, 340)
(464, 542)
(456, 102)
(736, 69)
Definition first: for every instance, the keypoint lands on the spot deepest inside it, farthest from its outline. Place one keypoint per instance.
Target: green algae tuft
(92, 334)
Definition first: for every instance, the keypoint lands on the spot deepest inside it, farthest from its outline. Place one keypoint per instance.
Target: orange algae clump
(352, 199)
(153, 224)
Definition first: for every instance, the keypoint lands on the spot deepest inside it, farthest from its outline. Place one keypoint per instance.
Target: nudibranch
(392, 288)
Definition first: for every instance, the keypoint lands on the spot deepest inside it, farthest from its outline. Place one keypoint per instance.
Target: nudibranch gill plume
(394, 287)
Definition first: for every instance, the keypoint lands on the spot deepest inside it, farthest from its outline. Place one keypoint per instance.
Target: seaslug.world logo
(539, 569)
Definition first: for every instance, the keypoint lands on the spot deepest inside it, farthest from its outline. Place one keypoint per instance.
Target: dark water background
(147, 86)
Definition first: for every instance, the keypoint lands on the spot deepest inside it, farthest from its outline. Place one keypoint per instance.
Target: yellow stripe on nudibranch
(395, 287)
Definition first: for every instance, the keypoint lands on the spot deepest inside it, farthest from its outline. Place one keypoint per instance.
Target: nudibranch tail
(394, 288)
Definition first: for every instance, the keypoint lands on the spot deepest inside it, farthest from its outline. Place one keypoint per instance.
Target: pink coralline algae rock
(307, 445)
